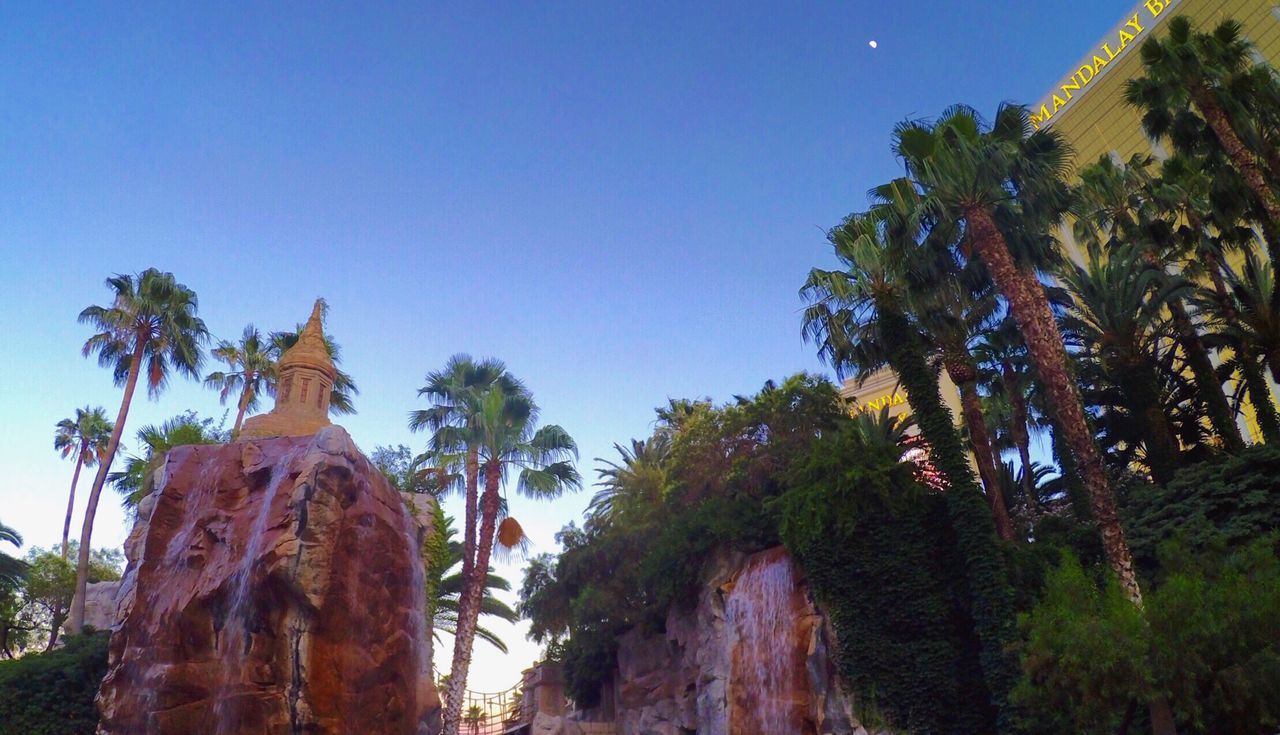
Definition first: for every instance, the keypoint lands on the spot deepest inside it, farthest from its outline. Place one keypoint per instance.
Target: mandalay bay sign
(1120, 41)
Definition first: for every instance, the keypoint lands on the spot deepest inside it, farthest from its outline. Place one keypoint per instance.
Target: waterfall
(235, 636)
(768, 672)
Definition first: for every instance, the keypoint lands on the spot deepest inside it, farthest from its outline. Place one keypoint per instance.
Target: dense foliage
(1227, 501)
(1208, 639)
(880, 555)
(52, 693)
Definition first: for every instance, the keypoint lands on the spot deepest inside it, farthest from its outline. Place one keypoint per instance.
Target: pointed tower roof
(310, 350)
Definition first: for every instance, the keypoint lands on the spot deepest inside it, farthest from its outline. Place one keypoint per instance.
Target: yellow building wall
(1098, 122)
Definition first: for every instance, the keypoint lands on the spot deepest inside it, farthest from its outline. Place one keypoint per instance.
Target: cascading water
(234, 636)
(768, 673)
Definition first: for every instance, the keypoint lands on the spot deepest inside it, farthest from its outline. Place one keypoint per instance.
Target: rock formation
(276, 587)
(751, 658)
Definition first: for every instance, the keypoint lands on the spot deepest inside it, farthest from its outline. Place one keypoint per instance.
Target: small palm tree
(1118, 315)
(636, 482)
(11, 569)
(1124, 206)
(474, 718)
(252, 371)
(137, 479)
(152, 319)
(85, 437)
(446, 583)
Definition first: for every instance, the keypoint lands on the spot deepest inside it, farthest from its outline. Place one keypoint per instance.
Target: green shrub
(52, 693)
(1229, 500)
(1209, 642)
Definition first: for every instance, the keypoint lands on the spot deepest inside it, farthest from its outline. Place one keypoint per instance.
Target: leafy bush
(52, 693)
(1209, 643)
(1229, 500)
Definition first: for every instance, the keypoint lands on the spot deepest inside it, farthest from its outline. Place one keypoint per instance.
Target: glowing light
(872, 44)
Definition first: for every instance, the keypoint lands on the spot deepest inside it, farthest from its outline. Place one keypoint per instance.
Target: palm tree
(474, 718)
(1243, 312)
(1186, 69)
(151, 318)
(447, 591)
(498, 420)
(635, 482)
(867, 300)
(84, 436)
(137, 479)
(984, 181)
(1118, 205)
(455, 394)
(252, 371)
(1118, 315)
(1006, 374)
(342, 396)
(11, 569)
(952, 313)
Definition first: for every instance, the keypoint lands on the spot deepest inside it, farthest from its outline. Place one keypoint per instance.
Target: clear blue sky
(621, 202)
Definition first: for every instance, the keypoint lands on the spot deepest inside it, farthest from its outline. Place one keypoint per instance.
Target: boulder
(100, 604)
(275, 587)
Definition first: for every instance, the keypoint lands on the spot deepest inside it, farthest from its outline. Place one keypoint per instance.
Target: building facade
(1088, 108)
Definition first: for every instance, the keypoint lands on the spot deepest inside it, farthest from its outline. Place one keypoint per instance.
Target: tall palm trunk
(1138, 381)
(76, 622)
(1021, 436)
(965, 376)
(472, 511)
(469, 602)
(1077, 495)
(71, 504)
(1031, 312)
(971, 519)
(246, 396)
(1235, 149)
(1209, 388)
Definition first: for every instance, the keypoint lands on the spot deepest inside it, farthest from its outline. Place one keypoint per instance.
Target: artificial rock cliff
(274, 586)
(750, 658)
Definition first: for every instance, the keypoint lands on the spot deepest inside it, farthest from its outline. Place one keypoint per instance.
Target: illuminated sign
(877, 404)
(1093, 66)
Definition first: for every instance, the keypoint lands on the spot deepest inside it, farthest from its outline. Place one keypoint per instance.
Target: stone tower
(305, 379)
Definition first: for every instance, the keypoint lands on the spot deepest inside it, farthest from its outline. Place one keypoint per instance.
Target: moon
(872, 44)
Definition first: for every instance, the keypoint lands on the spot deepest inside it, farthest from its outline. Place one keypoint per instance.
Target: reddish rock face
(277, 588)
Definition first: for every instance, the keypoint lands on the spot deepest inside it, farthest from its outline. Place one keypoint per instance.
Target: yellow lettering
(1058, 103)
(1098, 63)
(1110, 54)
(1155, 7)
(1085, 73)
(1133, 23)
(1068, 86)
(1125, 39)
